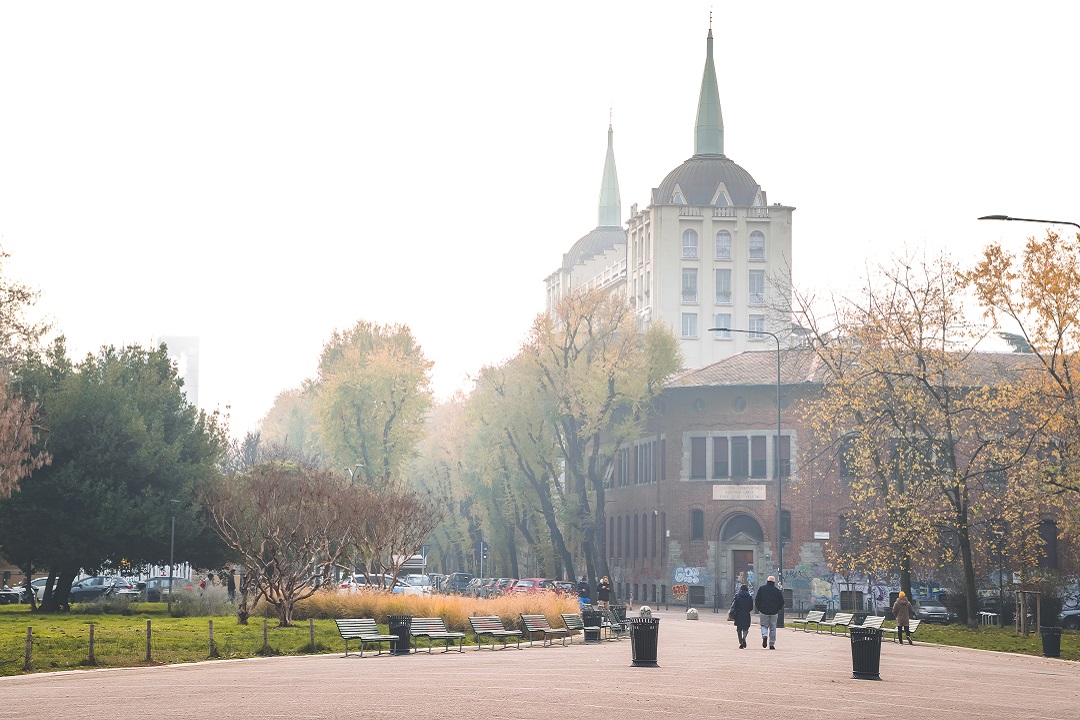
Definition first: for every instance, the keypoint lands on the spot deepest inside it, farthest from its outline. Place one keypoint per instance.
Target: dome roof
(701, 175)
(597, 242)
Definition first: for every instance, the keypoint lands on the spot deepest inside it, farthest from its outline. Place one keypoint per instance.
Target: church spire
(709, 129)
(610, 203)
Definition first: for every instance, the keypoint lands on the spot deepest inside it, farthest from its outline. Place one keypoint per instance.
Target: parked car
(531, 586)
(1069, 619)
(92, 588)
(456, 582)
(473, 588)
(417, 585)
(503, 585)
(158, 588)
(565, 587)
(10, 596)
(932, 611)
(360, 582)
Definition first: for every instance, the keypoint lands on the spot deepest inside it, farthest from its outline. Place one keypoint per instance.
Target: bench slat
(366, 631)
(434, 629)
(538, 625)
(493, 627)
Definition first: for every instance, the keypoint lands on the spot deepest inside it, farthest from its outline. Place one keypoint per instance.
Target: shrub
(211, 602)
(107, 605)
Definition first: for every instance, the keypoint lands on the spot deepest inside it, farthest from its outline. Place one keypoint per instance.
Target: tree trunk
(970, 592)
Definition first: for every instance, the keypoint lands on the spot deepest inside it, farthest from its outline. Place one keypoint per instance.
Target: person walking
(603, 592)
(582, 593)
(902, 611)
(769, 601)
(742, 605)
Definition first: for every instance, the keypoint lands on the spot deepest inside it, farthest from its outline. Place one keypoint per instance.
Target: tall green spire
(709, 130)
(610, 203)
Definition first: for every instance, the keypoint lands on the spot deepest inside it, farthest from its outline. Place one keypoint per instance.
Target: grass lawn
(61, 641)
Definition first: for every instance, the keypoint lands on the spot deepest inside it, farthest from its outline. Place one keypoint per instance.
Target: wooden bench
(493, 627)
(871, 621)
(840, 620)
(366, 631)
(814, 616)
(538, 625)
(913, 625)
(434, 629)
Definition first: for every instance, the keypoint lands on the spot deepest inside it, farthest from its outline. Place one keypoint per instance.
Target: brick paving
(702, 674)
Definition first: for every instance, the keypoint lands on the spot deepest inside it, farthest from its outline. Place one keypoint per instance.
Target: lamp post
(172, 544)
(1044, 222)
(776, 464)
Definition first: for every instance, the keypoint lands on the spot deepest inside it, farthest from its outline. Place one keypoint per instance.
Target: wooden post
(148, 631)
(29, 647)
(91, 659)
(213, 647)
(311, 632)
(266, 639)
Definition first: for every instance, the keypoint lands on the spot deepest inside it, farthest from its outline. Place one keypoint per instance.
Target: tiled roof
(597, 242)
(701, 175)
(802, 366)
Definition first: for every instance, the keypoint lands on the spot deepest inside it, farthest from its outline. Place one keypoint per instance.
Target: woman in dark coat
(743, 605)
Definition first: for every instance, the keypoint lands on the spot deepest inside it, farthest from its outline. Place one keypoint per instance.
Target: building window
(740, 457)
(723, 286)
(646, 463)
(697, 458)
(785, 456)
(697, 525)
(689, 285)
(845, 458)
(720, 457)
(757, 245)
(689, 325)
(635, 537)
(654, 535)
(663, 535)
(723, 320)
(644, 535)
(785, 525)
(757, 457)
(756, 287)
(756, 326)
(611, 536)
(723, 245)
(619, 536)
(689, 243)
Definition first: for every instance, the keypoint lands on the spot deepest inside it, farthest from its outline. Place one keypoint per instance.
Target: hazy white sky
(261, 173)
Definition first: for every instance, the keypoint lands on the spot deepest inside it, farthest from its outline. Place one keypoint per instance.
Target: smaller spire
(610, 202)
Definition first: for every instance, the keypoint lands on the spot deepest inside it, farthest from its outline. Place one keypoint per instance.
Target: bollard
(266, 640)
(692, 614)
(311, 632)
(91, 660)
(148, 631)
(29, 647)
(645, 611)
(213, 646)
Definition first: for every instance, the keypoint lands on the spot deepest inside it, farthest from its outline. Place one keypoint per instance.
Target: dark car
(11, 596)
(457, 582)
(157, 588)
(1070, 619)
(92, 588)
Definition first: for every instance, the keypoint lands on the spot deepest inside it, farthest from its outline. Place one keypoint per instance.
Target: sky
(259, 174)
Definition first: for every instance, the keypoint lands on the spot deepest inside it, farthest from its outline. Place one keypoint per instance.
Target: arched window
(635, 537)
(663, 535)
(644, 535)
(697, 525)
(611, 537)
(654, 535)
(689, 243)
(618, 535)
(628, 545)
(723, 245)
(757, 245)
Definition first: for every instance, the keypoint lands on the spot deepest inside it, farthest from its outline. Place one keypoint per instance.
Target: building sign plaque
(738, 492)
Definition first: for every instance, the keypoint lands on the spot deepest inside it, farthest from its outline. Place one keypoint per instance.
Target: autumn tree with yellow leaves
(934, 439)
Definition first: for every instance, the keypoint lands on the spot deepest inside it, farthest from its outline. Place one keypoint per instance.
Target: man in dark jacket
(769, 601)
(583, 593)
(742, 606)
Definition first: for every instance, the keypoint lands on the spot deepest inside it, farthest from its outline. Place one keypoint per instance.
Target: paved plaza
(702, 674)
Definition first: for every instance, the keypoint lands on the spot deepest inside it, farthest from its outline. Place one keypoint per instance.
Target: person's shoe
(742, 643)
(764, 642)
(772, 647)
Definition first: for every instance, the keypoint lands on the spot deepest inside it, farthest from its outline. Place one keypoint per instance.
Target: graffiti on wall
(688, 575)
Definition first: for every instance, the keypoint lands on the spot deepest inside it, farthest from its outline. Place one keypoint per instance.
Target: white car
(1070, 619)
(359, 582)
(417, 585)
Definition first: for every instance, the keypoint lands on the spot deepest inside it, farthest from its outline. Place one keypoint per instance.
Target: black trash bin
(1051, 640)
(865, 653)
(592, 620)
(644, 637)
(400, 626)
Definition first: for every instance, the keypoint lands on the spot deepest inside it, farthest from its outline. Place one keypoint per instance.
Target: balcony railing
(686, 211)
(689, 251)
(723, 252)
(757, 212)
(723, 212)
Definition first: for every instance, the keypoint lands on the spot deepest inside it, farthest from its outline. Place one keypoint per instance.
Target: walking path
(702, 676)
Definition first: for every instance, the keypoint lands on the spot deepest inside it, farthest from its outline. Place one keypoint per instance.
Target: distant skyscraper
(184, 351)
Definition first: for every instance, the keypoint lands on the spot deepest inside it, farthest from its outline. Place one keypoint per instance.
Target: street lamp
(172, 544)
(776, 463)
(1045, 222)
